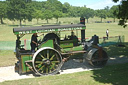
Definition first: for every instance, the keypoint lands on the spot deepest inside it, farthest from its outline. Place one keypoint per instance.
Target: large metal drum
(97, 57)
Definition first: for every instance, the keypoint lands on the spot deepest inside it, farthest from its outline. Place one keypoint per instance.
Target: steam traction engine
(54, 49)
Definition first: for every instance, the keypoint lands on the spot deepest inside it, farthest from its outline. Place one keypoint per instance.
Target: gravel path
(71, 66)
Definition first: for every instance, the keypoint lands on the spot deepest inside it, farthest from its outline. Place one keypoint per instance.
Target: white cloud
(103, 4)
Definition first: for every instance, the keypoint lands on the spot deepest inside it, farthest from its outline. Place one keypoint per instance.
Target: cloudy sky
(94, 4)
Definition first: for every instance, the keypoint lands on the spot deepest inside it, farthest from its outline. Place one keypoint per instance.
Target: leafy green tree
(3, 10)
(87, 13)
(37, 5)
(58, 5)
(102, 14)
(37, 14)
(66, 7)
(74, 11)
(107, 9)
(49, 6)
(53, 5)
(123, 12)
(57, 14)
(47, 15)
(113, 12)
(19, 10)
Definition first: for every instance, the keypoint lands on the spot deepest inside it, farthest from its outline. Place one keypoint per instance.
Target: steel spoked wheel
(99, 59)
(47, 61)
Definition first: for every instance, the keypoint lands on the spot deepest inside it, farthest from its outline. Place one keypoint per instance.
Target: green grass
(114, 50)
(109, 75)
(100, 30)
(6, 30)
(7, 58)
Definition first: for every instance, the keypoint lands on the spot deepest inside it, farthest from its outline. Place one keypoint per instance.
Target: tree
(57, 14)
(107, 9)
(102, 14)
(66, 7)
(74, 11)
(3, 10)
(113, 12)
(19, 10)
(53, 5)
(58, 5)
(37, 5)
(123, 12)
(87, 13)
(49, 6)
(37, 14)
(47, 15)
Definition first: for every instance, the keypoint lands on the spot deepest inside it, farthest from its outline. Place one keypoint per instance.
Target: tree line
(22, 10)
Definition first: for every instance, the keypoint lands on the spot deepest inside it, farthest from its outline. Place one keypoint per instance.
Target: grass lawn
(114, 50)
(7, 58)
(6, 30)
(109, 75)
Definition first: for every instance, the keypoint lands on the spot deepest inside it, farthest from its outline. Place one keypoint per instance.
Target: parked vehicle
(53, 49)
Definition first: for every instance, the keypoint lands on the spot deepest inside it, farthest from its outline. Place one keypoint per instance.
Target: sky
(93, 4)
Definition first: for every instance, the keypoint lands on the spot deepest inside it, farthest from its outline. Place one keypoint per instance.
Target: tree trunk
(37, 21)
(20, 22)
(47, 21)
(1, 20)
(87, 20)
(114, 19)
(57, 20)
(101, 20)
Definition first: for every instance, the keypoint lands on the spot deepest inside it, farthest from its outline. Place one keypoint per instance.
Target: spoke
(52, 66)
(47, 69)
(52, 57)
(41, 55)
(40, 68)
(55, 61)
(42, 71)
(39, 64)
(38, 61)
(47, 54)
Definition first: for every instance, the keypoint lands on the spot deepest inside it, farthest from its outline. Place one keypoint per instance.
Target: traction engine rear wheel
(47, 61)
(99, 59)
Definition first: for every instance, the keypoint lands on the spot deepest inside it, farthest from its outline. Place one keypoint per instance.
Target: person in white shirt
(107, 33)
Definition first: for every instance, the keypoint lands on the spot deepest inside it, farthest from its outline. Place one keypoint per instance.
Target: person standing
(107, 33)
(34, 42)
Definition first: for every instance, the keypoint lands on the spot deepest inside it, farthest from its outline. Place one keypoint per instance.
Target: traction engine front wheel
(47, 61)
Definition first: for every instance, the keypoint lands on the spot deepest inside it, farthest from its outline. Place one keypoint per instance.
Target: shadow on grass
(112, 74)
(115, 50)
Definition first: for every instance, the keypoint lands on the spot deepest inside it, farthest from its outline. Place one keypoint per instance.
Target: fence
(111, 40)
(10, 45)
